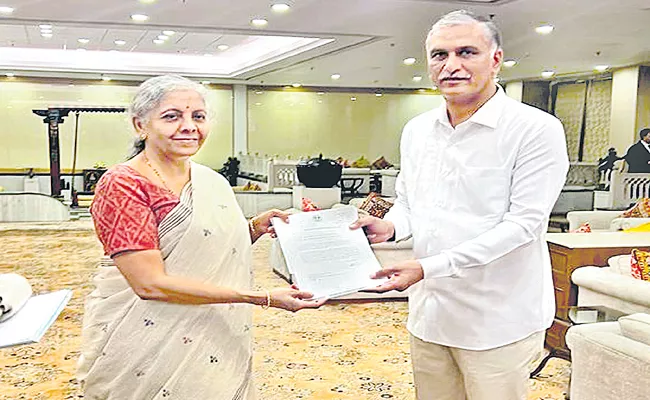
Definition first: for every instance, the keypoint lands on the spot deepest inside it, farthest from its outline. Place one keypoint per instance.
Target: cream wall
(102, 137)
(622, 132)
(299, 123)
(515, 90)
(643, 100)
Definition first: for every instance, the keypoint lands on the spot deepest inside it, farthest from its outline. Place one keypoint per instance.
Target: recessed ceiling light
(296, 85)
(139, 17)
(417, 78)
(258, 104)
(509, 63)
(6, 10)
(320, 93)
(353, 98)
(158, 41)
(223, 47)
(120, 42)
(259, 92)
(205, 82)
(45, 26)
(163, 37)
(10, 74)
(83, 40)
(169, 33)
(335, 76)
(46, 31)
(46, 35)
(378, 94)
(547, 74)
(280, 7)
(601, 68)
(544, 29)
(259, 22)
(106, 78)
(409, 61)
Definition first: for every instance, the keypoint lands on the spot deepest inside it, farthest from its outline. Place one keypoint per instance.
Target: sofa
(611, 360)
(603, 220)
(612, 286)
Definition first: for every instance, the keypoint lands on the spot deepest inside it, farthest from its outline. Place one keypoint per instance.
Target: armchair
(611, 360)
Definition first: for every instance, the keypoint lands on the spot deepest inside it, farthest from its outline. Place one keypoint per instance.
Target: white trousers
(449, 373)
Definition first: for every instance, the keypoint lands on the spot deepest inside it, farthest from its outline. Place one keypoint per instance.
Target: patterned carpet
(341, 351)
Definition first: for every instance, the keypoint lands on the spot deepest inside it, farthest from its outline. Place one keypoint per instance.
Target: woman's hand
(293, 300)
(262, 223)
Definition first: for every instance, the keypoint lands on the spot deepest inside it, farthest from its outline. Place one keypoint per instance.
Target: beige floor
(341, 351)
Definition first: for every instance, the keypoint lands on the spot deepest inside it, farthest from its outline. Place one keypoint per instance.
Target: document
(324, 255)
(34, 318)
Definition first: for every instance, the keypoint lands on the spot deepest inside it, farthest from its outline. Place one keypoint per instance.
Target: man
(638, 155)
(479, 177)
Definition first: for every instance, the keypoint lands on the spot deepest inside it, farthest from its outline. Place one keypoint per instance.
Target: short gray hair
(151, 93)
(461, 17)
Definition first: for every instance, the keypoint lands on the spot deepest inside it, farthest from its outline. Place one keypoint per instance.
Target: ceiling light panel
(252, 52)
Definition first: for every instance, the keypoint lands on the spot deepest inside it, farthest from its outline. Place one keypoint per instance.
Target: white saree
(139, 349)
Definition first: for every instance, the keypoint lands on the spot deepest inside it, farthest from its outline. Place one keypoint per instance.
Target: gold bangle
(268, 301)
(253, 227)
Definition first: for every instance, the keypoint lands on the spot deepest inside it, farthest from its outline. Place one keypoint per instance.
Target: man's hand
(402, 276)
(377, 230)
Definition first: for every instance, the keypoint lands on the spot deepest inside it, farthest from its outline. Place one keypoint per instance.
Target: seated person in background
(607, 163)
(638, 155)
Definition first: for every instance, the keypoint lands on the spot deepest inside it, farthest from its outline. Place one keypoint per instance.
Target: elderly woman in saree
(170, 317)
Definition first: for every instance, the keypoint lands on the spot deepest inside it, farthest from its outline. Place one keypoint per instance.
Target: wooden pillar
(53, 117)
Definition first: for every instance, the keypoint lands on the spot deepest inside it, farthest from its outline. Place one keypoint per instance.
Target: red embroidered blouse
(127, 210)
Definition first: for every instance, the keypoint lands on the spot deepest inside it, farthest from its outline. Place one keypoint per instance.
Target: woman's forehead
(184, 97)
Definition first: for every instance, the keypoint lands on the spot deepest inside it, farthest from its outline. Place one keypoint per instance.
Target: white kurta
(476, 199)
(137, 349)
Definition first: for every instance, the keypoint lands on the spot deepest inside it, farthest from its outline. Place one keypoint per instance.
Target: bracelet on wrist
(268, 301)
(253, 225)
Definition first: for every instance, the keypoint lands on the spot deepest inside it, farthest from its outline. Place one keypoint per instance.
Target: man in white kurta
(479, 177)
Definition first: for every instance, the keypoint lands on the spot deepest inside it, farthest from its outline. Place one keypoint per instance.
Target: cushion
(308, 205)
(375, 205)
(636, 327)
(639, 265)
(640, 210)
(641, 228)
(584, 228)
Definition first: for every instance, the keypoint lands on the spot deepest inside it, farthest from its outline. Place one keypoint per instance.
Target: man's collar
(487, 115)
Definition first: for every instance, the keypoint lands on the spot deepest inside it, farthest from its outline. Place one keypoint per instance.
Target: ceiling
(364, 41)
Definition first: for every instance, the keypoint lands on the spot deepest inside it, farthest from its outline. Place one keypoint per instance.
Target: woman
(169, 318)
